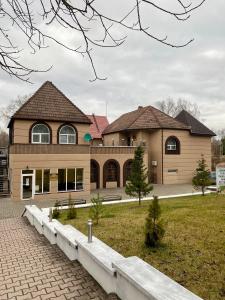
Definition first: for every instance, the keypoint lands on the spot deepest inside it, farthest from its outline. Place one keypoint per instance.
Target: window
(111, 172)
(67, 135)
(42, 181)
(70, 180)
(40, 134)
(172, 145)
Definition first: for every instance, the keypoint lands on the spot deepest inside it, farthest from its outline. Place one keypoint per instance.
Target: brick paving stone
(31, 268)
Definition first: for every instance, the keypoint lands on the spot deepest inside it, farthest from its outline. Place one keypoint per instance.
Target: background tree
(138, 185)
(154, 229)
(173, 107)
(89, 22)
(4, 138)
(201, 178)
(7, 112)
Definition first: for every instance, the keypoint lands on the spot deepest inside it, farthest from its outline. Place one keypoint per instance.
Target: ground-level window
(70, 179)
(42, 181)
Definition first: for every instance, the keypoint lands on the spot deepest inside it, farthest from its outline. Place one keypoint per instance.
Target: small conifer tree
(56, 210)
(96, 210)
(138, 185)
(154, 230)
(72, 211)
(201, 178)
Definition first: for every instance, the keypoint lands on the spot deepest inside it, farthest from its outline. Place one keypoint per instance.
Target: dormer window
(40, 134)
(172, 145)
(67, 135)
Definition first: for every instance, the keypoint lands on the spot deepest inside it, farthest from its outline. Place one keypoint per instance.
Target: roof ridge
(96, 123)
(142, 108)
(152, 111)
(28, 100)
(67, 98)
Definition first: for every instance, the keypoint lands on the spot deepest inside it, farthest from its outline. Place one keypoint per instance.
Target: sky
(139, 72)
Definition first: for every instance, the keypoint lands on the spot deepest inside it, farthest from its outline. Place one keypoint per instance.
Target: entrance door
(27, 187)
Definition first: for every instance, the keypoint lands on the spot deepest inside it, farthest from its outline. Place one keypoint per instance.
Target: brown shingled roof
(49, 104)
(144, 118)
(197, 128)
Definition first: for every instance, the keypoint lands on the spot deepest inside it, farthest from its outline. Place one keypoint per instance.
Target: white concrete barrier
(49, 229)
(97, 259)
(30, 211)
(138, 280)
(130, 278)
(66, 240)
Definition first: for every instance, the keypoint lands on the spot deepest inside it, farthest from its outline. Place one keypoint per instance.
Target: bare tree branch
(32, 19)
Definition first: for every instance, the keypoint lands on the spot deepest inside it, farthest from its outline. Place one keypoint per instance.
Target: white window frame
(67, 136)
(42, 182)
(40, 135)
(171, 147)
(75, 190)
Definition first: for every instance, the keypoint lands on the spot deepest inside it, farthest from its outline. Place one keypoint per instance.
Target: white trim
(33, 184)
(67, 135)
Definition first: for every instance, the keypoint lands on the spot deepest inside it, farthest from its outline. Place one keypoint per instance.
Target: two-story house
(52, 153)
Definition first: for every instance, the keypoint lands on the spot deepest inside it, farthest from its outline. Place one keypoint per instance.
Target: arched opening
(95, 173)
(127, 170)
(111, 173)
(172, 145)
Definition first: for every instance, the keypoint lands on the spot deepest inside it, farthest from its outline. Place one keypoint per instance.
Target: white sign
(220, 175)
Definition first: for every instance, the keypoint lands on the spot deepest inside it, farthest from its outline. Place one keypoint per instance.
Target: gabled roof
(99, 123)
(144, 118)
(49, 104)
(197, 128)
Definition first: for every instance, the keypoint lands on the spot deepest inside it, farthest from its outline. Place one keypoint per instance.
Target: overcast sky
(141, 71)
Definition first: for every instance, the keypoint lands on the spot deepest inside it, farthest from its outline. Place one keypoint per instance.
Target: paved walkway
(31, 268)
(10, 209)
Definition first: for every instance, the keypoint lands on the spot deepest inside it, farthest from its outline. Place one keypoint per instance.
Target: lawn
(193, 249)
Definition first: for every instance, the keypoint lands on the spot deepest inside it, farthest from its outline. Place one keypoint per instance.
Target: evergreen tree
(154, 230)
(202, 176)
(97, 209)
(138, 185)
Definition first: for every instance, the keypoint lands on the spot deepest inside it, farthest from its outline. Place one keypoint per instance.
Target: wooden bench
(107, 198)
(72, 202)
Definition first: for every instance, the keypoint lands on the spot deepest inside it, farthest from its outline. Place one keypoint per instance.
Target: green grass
(193, 249)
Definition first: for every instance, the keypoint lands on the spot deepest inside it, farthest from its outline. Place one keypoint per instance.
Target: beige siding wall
(115, 138)
(19, 162)
(191, 149)
(155, 154)
(22, 131)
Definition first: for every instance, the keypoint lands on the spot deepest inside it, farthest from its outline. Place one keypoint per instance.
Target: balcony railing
(48, 149)
(113, 149)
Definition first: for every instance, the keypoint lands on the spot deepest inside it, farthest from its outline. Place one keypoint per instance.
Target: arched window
(67, 135)
(40, 134)
(172, 145)
(111, 172)
(127, 167)
(95, 172)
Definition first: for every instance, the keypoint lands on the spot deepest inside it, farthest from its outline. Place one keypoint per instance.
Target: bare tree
(174, 107)
(37, 22)
(4, 138)
(7, 112)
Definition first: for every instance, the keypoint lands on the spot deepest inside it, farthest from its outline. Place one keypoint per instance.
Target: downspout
(162, 147)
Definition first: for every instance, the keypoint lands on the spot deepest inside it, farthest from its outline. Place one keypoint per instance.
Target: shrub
(56, 211)
(154, 230)
(96, 210)
(72, 211)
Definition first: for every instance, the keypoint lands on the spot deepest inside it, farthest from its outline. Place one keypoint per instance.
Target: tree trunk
(203, 191)
(139, 198)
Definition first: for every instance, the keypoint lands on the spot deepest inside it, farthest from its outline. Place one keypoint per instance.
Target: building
(4, 182)
(99, 124)
(56, 150)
